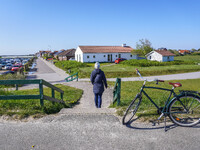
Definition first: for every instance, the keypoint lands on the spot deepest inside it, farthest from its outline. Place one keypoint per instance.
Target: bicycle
(183, 109)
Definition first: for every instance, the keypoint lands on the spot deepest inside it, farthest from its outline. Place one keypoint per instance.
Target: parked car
(3, 64)
(8, 67)
(15, 67)
(118, 60)
(7, 72)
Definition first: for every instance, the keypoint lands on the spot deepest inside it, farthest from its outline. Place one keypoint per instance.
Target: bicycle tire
(185, 117)
(131, 110)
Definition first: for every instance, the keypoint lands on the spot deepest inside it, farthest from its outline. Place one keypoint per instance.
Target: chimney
(123, 45)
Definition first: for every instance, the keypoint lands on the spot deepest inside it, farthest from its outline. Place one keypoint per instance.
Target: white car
(8, 67)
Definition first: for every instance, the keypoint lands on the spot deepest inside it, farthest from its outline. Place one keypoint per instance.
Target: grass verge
(130, 89)
(24, 108)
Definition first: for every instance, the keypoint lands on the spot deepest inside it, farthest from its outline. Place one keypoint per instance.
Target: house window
(119, 55)
(116, 55)
(149, 57)
(131, 55)
(93, 56)
(88, 56)
(168, 57)
(104, 55)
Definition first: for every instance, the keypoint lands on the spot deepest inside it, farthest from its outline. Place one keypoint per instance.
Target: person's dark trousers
(97, 99)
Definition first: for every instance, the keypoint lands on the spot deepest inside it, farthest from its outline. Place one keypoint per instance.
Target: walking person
(98, 80)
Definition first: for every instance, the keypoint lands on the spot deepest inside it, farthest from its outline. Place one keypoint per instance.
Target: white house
(103, 53)
(160, 55)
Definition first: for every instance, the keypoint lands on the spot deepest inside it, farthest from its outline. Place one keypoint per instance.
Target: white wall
(155, 56)
(79, 55)
(158, 57)
(103, 57)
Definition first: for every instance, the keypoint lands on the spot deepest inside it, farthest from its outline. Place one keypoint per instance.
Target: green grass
(194, 58)
(25, 108)
(130, 89)
(182, 64)
(120, 70)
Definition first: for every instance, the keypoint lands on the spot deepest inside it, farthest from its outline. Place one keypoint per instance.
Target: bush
(148, 63)
(196, 53)
(72, 65)
(12, 77)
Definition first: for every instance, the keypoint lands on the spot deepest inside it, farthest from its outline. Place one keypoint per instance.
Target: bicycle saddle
(177, 84)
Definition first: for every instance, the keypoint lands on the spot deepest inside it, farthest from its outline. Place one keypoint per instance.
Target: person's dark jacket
(98, 80)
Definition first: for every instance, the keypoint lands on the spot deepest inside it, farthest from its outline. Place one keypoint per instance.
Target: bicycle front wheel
(185, 110)
(131, 110)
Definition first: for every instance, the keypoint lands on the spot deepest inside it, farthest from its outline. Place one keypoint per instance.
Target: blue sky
(27, 26)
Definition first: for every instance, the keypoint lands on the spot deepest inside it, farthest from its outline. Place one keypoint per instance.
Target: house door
(109, 57)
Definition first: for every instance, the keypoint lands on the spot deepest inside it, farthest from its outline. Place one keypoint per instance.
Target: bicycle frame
(167, 102)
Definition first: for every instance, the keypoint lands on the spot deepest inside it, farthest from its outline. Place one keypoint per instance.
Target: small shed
(160, 55)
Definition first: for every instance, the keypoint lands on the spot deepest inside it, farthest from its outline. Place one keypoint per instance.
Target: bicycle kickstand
(165, 123)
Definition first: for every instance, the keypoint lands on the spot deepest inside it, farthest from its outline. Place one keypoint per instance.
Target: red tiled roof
(106, 49)
(165, 53)
(184, 51)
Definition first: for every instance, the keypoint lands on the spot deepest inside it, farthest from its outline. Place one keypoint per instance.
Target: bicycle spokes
(185, 111)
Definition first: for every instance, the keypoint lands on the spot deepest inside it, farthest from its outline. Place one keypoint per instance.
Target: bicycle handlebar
(148, 80)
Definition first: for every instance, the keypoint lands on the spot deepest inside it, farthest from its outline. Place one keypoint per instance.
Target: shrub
(12, 77)
(72, 65)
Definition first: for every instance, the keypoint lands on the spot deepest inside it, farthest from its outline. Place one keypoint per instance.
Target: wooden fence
(72, 77)
(40, 96)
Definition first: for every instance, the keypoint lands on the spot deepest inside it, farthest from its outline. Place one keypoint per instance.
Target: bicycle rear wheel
(185, 111)
(131, 110)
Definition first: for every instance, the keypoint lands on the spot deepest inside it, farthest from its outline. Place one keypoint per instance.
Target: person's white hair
(97, 65)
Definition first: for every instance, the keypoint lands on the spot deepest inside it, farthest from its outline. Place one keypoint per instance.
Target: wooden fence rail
(40, 96)
(72, 77)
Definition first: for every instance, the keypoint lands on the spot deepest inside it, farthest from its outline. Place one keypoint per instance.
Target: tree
(193, 49)
(143, 47)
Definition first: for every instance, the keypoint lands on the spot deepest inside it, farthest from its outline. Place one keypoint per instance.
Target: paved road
(91, 129)
(94, 132)
(48, 72)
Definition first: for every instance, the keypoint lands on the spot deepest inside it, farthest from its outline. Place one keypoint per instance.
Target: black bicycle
(183, 109)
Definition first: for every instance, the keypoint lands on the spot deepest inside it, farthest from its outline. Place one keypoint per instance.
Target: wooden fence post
(16, 85)
(41, 93)
(53, 94)
(118, 91)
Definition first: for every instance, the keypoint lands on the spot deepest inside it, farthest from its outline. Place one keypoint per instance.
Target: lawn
(194, 58)
(25, 108)
(182, 64)
(120, 70)
(130, 89)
